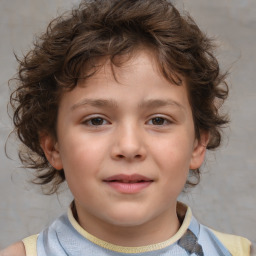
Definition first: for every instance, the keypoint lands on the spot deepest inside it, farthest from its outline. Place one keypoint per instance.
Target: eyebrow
(109, 103)
(95, 103)
(154, 103)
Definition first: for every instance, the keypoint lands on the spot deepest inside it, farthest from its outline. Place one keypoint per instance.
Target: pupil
(97, 121)
(158, 121)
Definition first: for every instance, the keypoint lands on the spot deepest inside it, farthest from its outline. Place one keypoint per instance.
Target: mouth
(128, 184)
(134, 178)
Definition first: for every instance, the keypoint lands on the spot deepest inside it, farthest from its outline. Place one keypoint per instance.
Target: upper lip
(127, 178)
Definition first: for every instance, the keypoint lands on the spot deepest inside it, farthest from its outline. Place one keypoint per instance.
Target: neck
(157, 230)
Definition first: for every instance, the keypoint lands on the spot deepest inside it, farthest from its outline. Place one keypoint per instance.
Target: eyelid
(91, 117)
(169, 120)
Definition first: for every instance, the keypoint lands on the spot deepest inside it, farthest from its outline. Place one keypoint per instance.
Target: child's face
(126, 147)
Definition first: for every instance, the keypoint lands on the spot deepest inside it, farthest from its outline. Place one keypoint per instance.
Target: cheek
(82, 162)
(82, 154)
(173, 151)
(172, 157)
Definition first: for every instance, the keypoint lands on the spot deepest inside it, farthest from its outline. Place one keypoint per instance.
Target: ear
(51, 151)
(199, 151)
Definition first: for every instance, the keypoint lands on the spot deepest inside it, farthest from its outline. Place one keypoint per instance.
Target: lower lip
(129, 188)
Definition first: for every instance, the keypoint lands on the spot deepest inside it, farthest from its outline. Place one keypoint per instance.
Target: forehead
(139, 72)
(119, 66)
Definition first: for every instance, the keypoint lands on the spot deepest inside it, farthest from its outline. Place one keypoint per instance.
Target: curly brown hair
(74, 42)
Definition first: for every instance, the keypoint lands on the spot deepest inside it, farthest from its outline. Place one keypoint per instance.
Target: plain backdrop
(226, 197)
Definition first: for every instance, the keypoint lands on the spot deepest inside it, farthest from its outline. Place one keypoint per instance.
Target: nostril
(122, 156)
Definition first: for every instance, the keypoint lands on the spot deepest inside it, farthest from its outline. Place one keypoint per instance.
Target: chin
(128, 222)
(128, 218)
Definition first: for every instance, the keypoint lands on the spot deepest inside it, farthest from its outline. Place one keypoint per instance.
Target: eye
(96, 121)
(159, 121)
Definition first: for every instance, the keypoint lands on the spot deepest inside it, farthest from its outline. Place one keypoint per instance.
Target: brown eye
(158, 121)
(96, 121)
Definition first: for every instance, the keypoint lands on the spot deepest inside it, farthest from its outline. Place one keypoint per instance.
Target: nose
(129, 144)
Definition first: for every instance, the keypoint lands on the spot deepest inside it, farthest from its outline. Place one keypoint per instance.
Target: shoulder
(16, 249)
(237, 245)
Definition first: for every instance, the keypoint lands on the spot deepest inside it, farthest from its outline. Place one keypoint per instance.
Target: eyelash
(160, 118)
(90, 120)
(103, 121)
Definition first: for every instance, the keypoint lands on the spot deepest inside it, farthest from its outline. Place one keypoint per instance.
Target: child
(120, 98)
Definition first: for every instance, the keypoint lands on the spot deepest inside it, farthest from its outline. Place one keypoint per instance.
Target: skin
(16, 249)
(127, 141)
(138, 123)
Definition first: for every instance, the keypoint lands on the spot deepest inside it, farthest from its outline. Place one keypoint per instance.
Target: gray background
(225, 198)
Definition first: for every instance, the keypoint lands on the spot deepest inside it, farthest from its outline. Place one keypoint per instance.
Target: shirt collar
(185, 216)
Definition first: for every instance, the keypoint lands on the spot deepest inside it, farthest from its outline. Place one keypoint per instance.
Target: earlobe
(199, 151)
(51, 151)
